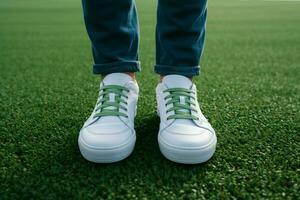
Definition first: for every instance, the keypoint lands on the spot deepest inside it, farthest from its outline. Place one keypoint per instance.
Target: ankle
(131, 74)
(162, 76)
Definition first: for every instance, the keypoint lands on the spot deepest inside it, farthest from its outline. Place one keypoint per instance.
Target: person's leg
(185, 136)
(113, 30)
(108, 135)
(180, 34)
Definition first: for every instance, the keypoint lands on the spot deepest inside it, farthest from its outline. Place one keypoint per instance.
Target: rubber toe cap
(105, 136)
(187, 136)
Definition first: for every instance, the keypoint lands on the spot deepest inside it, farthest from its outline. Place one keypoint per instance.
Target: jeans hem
(123, 66)
(188, 71)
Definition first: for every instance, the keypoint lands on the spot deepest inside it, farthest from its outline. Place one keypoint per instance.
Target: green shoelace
(105, 107)
(181, 111)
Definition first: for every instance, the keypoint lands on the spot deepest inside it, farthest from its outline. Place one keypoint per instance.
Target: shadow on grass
(146, 166)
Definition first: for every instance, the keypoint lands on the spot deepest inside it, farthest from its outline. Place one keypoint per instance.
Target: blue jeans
(112, 26)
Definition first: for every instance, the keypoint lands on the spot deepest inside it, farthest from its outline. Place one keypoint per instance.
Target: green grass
(249, 89)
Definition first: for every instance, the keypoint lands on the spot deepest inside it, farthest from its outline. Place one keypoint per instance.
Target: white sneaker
(108, 135)
(185, 135)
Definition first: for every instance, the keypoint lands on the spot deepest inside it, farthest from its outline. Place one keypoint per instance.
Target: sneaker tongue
(116, 79)
(177, 81)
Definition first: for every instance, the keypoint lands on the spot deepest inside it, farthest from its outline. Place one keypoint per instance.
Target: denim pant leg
(112, 26)
(180, 34)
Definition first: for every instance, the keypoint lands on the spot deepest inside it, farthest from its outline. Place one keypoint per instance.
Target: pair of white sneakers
(185, 136)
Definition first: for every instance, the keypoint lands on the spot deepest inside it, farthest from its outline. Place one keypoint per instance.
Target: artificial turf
(249, 89)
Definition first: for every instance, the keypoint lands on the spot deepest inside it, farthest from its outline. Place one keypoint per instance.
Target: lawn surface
(249, 90)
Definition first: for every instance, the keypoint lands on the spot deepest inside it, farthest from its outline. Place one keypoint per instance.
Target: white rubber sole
(185, 155)
(105, 155)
